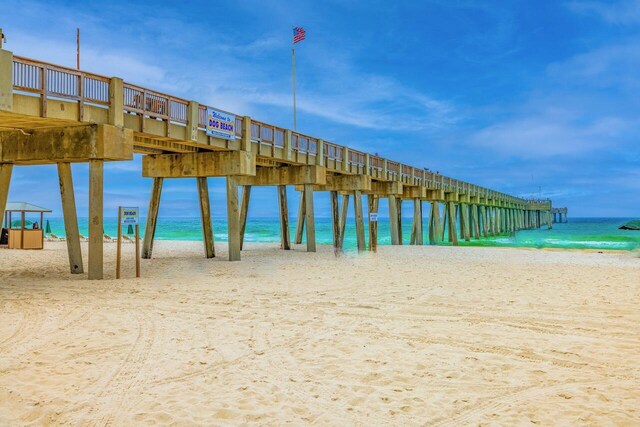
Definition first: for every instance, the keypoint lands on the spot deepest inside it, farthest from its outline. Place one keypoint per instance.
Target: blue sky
(517, 96)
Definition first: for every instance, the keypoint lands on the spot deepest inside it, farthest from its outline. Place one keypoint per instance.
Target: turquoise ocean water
(582, 233)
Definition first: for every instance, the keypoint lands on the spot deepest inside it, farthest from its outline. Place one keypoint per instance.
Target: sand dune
(408, 336)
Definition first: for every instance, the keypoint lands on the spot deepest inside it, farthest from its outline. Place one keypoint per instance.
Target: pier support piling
(70, 218)
(357, 206)
(285, 242)
(96, 219)
(5, 180)
(464, 222)
(309, 218)
(301, 219)
(343, 219)
(244, 211)
(233, 218)
(451, 215)
(205, 216)
(399, 212)
(434, 223)
(416, 229)
(393, 220)
(335, 221)
(152, 218)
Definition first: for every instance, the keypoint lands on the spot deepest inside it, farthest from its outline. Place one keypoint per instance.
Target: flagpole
(293, 79)
(78, 48)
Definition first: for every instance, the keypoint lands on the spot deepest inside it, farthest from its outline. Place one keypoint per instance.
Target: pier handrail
(54, 81)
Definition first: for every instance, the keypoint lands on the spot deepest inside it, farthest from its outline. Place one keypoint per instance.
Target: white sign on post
(373, 217)
(129, 216)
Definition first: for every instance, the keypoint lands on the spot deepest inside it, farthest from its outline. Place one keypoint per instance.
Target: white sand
(410, 336)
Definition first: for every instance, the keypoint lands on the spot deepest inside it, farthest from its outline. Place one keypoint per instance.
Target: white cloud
(551, 134)
(620, 12)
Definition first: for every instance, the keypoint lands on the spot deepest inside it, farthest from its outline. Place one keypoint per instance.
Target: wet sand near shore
(407, 336)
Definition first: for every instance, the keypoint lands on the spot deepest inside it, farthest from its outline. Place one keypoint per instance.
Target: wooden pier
(56, 115)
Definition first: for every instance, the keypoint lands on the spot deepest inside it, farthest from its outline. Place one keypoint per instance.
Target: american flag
(298, 34)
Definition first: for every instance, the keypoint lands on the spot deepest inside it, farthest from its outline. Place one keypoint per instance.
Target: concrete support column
(434, 223)
(357, 206)
(205, 216)
(233, 218)
(152, 218)
(70, 218)
(451, 215)
(483, 219)
(244, 212)
(343, 218)
(399, 210)
(6, 170)
(393, 220)
(96, 219)
(335, 221)
(464, 222)
(310, 218)
(416, 230)
(300, 220)
(285, 242)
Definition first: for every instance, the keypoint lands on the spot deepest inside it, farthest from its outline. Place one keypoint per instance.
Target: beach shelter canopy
(24, 207)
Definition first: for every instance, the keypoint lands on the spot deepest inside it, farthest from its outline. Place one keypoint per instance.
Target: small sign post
(373, 231)
(128, 216)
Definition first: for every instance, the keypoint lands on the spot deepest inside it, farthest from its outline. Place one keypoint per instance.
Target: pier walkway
(51, 114)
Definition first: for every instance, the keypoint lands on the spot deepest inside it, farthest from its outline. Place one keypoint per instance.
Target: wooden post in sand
(335, 221)
(244, 210)
(152, 218)
(483, 218)
(70, 218)
(96, 219)
(399, 211)
(476, 221)
(301, 219)
(309, 218)
(137, 243)
(434, 223)
(233, 218)
(445, 216)
(373, 222)
(416, 228)
(5, 179)
(128, 216)
(119, 243)
(393, 220)
(453, 235)
(357, 206)
(343, 219)
(205, 215)
(464, 222)
(284, 218)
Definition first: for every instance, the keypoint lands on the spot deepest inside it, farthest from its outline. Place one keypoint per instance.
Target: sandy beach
(407, 336)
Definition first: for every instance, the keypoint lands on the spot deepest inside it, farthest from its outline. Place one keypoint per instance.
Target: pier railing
(49, 81)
